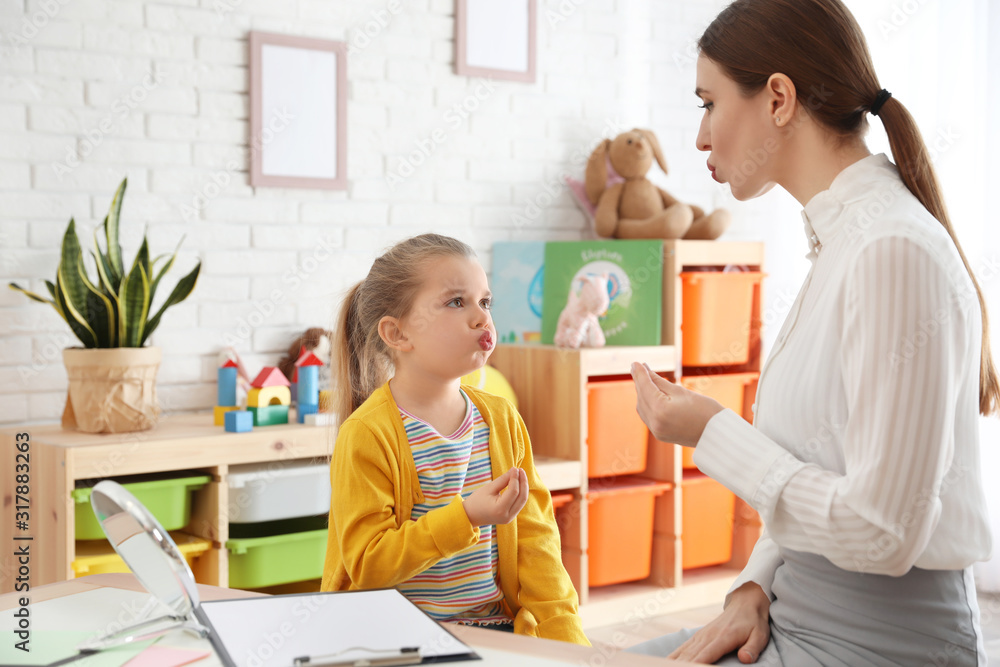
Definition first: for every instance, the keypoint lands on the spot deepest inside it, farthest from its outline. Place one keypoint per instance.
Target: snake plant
(114, 309)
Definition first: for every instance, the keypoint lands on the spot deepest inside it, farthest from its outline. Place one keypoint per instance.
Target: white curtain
(942, 60)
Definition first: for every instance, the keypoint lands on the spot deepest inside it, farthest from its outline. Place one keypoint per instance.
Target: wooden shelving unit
(60, 459)
(551, 385)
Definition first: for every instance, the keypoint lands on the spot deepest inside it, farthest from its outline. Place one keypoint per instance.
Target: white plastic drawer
(278, 490)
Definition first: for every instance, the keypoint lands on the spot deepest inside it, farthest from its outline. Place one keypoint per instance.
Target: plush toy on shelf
(315, 340)
(578, 323)
(629, 206)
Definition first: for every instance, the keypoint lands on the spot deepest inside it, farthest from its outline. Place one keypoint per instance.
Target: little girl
(434, 489)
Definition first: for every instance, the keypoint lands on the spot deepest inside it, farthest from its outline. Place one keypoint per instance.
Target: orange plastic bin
(559, 501)
(707, 509)
(729, 389)
(621, 528)
(715, 324)
(616, 436)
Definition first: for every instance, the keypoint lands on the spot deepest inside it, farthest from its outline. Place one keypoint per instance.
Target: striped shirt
(463, 587)
(865, 443)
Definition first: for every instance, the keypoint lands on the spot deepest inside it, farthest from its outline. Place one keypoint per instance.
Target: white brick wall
(95, 90)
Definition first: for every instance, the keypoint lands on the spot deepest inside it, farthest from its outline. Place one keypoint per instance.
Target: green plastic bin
(256, 562)
(169, 500)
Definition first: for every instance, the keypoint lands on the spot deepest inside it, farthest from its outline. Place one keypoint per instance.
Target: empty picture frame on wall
(298, 112)
(496, 38)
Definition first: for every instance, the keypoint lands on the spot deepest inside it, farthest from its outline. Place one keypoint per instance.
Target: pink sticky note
(164, 656)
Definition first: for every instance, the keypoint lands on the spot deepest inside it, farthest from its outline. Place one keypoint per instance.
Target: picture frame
(497, 39)
(298, 112)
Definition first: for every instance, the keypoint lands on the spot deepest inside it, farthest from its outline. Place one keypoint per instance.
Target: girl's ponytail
(915, 168)
(347, 375)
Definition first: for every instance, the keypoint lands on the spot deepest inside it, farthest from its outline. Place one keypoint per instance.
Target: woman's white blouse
(865, 443)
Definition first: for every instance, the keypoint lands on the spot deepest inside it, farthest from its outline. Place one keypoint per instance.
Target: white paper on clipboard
(272, 631)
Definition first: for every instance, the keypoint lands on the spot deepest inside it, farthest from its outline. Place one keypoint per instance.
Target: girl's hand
(672, 413)
(499, 501)
(743, 626)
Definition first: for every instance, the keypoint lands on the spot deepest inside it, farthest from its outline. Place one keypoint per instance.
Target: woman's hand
(499, 501)
(743, 626)
(672, 413)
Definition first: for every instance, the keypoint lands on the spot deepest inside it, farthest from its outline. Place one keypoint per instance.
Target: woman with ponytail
(863, 459)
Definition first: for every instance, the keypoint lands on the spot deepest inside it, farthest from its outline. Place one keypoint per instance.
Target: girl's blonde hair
(362, 361)
(820, 47)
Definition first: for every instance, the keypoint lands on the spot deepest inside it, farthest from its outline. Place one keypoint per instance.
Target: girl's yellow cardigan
(373, 543)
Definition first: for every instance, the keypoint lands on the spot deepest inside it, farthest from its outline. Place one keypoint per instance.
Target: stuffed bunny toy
(634, 208)
(578, 324)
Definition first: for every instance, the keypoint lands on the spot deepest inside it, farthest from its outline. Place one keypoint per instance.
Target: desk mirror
(154, 559)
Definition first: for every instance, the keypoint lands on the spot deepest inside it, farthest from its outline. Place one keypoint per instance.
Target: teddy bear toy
(632, 207)
(578, 325)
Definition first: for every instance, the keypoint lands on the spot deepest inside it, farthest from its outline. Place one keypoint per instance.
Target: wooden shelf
(559, 474)
(60, 458)
(551, 385)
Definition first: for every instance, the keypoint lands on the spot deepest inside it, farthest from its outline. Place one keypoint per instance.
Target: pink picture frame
(298, 112)
(496, 39)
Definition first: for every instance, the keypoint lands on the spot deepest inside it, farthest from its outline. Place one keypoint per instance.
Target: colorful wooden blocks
(268, 415)
(221, 411)
(239, 421)
(269, 398)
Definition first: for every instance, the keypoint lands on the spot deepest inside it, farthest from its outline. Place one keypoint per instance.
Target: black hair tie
(880, 99)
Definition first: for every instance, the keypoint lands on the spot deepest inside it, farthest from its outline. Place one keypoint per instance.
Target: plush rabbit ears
(596, 174)
(654, 143)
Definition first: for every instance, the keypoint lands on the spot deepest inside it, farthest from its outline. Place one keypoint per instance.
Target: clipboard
(373, 627)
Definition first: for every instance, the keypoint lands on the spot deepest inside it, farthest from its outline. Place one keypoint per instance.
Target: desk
(497, 648)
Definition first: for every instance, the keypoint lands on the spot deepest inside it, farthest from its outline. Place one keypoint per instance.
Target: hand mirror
(154, 559)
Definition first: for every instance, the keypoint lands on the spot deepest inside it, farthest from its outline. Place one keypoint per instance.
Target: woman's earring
(777, 120)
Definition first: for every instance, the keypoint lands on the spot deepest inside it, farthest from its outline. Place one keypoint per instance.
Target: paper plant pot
(111, 390)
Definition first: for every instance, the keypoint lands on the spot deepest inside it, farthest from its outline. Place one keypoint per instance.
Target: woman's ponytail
(917, 171)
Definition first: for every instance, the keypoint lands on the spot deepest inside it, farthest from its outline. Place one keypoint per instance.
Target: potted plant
(112, 377)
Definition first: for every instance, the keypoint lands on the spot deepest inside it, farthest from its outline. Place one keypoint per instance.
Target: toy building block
(259, 397)
(307, 374)
(269, 415)
(303, 409)
(270, 376)
(320, 419)
(221, 411)
(239, 421)
(270, 387)
(325, 400)
(227, 384)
